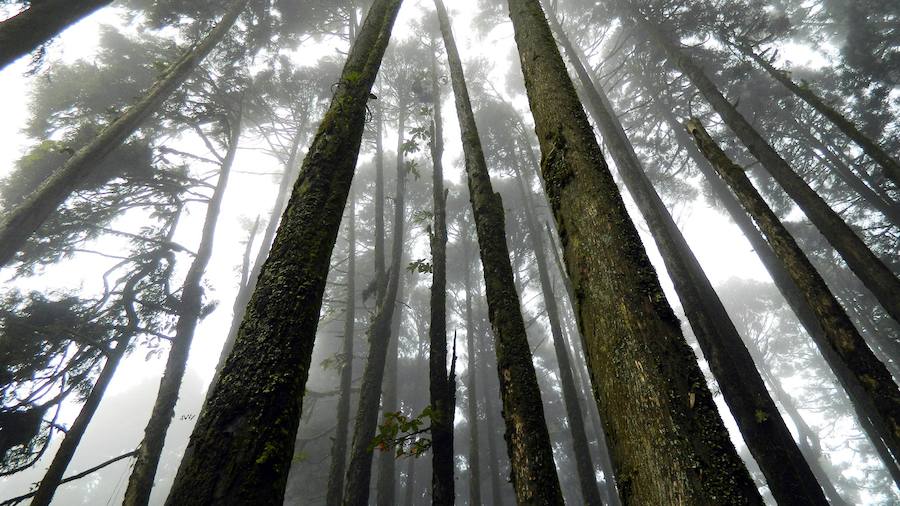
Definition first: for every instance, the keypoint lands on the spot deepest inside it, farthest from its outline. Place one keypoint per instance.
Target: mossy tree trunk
(190, 306)
(40, 22)
(339, 447)
(528, 441)
(241, 448)
(359, 470)
(889, 165)
(874, 274)
(668, 442)
(20, 223)
(767, 436)
(869, 382)
(441, 390)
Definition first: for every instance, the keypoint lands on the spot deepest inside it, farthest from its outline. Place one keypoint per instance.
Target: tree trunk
(54, 475)
(668, 442)
(586, 475)
(339, 448)
(140, 484)
(20, 223)
(767, 436)
(246, 290)
(474, 461)
(782, 279)
(43, 20)
(870, 270)
(242, 446)
(869, 377)
(889, 165)
(528, 441)
(441, 390)
(359, 471)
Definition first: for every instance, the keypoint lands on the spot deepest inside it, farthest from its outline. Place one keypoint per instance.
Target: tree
(634, 345)
(258, 396)
(528, 442)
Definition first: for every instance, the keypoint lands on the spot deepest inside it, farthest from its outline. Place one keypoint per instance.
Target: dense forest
(487, 252)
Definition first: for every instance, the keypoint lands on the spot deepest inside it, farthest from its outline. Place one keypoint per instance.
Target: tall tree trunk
(767, 436)
(40, 22)
(528, 441)
(871, 271)
(410, 490)
(669, 444)
(20, 223)
(868, 376)
(441, 390)
(782, 279)
(242, 446)
(359, 471)
(584, 466)
(190, 306)
(474, 461)
(889, 165)
(339, 448)
(247, 288)
(380, 276)
(54, 475)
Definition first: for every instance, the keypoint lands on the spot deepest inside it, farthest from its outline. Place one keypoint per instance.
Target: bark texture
(242, 446)
(43, 20)
(874, 274)
(869, 376)
(20, 223)
(767, 436)
(528, 441)
(668, 443)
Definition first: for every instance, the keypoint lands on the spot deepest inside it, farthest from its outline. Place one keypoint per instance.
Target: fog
(147, 261)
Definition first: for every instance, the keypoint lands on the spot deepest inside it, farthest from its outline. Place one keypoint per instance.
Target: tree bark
(359, 471)
(43, 20)
(668, 442)
(528, 441)
(767, 436)
(869, 377)
(889, 166)
(190, 306)
(441, 390)
(242, 446)
(874, 274)
(339, 448)
(20, 223)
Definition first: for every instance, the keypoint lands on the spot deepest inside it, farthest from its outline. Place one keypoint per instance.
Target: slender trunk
(140, 484)
(339, 448)
(675, 448)
(869, 377)
(243, 443)
(490, 424)
(247, 288)
(54, 475)
(474, 462)
(387, 482)
(871, 271)
(889, 165)
(528, 441)
(440, 389)
(359, 471)
(20, 223)
(783, 280)
(586, 476)
(409, 496)
(767, 436)
(35, 26)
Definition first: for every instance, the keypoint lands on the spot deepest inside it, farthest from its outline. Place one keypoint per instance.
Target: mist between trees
(485, 252)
